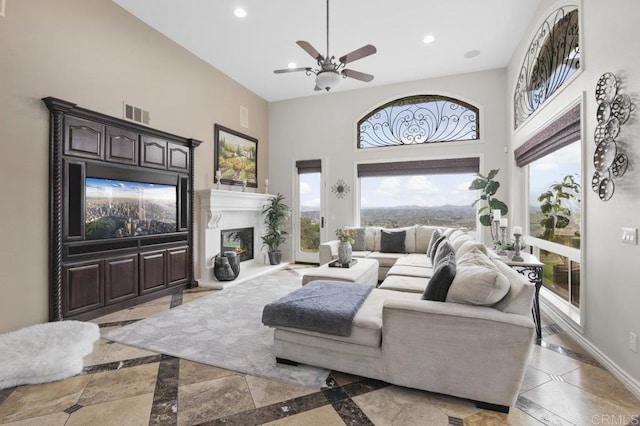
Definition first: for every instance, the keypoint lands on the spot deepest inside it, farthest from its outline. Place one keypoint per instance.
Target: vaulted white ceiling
(249, 49)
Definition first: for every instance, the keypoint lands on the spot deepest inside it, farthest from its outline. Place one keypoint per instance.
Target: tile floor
(123, 385)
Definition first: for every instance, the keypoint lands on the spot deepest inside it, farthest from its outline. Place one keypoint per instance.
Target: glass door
(309, 220)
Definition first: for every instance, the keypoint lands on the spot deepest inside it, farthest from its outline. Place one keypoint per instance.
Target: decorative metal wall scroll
(553, 56)
(613, 111)
(419, 119)
(340, 189)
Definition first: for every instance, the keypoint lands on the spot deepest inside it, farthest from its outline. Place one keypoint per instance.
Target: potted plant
(555, 215)
(488, 187)
(276, 213)
(346, 238)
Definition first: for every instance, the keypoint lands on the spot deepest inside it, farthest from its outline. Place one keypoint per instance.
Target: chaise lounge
(470, 345)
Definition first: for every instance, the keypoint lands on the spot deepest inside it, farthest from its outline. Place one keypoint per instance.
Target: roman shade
(560, 133)
(309, 166)
(420, 167)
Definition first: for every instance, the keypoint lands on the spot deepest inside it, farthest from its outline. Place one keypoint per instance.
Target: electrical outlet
(630, 235)
(633, 342)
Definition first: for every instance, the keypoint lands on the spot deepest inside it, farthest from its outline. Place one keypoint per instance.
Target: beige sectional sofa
(462, 349)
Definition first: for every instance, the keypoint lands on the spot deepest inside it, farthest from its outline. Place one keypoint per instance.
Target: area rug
(225, 330)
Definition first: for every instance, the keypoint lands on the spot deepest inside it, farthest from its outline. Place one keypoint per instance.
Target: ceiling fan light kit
(329, 72)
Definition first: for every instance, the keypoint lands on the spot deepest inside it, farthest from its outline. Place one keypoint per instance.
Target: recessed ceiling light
(471, 54)
(292, 65)
(240, 12)
(429, 39)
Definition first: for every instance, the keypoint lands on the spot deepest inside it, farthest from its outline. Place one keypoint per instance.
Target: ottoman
(365, 271)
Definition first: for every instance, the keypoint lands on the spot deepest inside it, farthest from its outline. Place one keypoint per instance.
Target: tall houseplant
(276, 213)
(555, 214)
(488, 187)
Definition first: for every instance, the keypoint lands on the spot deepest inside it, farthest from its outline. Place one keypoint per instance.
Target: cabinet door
(120, 278)
(82, 287)
(153, 152)
(152, 271)
(178, 265)
(122, 146)
(83, 138)
(178, 157)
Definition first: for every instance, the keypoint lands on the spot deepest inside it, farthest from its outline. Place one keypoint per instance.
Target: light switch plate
(630, 235)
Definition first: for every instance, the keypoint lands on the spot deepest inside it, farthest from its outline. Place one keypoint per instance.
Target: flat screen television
(119, 208)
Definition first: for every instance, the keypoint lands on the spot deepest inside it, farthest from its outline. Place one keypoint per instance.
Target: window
(429, 192)
(554, 161)
(553, 56)
(417, 120)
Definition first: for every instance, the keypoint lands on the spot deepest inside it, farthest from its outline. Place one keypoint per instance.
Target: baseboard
(629, 382)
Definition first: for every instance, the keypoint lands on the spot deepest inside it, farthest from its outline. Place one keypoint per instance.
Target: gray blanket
(323, 306)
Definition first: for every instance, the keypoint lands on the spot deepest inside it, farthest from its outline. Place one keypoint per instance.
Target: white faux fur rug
(45, 352)
(225, 330)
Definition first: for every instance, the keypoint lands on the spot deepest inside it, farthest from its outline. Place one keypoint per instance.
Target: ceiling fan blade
(310, 50)
(363, 52)
(357, 75)
(317, 88)
(291, 70)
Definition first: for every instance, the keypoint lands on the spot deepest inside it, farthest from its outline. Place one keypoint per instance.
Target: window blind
(420, 167)
(309, 166)
(560, 133)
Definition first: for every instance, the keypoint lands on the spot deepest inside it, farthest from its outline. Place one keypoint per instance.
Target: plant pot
(275, 257)
(344, 252)
(222, 269)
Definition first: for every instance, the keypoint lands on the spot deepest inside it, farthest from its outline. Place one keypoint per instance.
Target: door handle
(322, 222)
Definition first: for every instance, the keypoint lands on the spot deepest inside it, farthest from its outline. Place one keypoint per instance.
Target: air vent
(244, 117)
(133, 113)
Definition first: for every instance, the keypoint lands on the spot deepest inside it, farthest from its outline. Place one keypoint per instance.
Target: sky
(439, 190)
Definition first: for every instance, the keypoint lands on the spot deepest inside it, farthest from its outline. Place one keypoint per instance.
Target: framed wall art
(236, 157)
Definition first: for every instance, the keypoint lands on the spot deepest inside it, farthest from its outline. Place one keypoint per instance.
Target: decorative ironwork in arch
(419, 119)
(553, 56)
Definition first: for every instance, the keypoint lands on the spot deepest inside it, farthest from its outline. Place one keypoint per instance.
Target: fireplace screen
(239, 240)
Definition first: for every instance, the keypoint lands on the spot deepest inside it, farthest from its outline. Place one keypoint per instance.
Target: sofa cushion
(358, 240)
(371, 239)
(443, 251)
(410, 271)
(401, 283)
(359, 254)
(443, 275)
(455, 234)
(520, 296)
(448, 231)
(458, 242)
(469, 245)
(415, 259)
(478, 281)
(385, 259)
(392, 242)
(435, 236)
(367, 323)
(434, 249)
(423, 236)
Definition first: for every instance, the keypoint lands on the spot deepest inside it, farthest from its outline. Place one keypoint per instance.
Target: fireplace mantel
(216, 202)
(220, 209)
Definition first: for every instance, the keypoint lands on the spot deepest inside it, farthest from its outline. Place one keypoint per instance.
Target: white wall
(610, 283)
(325, 126)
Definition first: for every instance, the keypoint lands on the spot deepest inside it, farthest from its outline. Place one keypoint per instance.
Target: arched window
(553, 56)
(420, 119)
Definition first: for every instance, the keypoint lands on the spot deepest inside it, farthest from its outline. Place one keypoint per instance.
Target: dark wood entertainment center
(93, 276)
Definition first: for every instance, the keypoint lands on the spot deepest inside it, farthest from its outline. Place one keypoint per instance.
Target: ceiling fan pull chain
(327, 30)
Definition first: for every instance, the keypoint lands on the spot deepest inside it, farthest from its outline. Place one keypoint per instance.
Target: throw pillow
(468, 246)
(392, 242)
(478, 281)
(434, 237)
(434, 249)
(439, 283)
(457, 243)
(444, 249)
(358, 240)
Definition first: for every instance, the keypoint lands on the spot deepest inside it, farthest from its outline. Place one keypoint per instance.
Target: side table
(531, 268)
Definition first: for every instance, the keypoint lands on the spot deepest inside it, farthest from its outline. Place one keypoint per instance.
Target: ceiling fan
(329, 72)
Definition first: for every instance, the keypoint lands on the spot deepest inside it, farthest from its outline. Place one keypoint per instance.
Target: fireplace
(239, 240)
